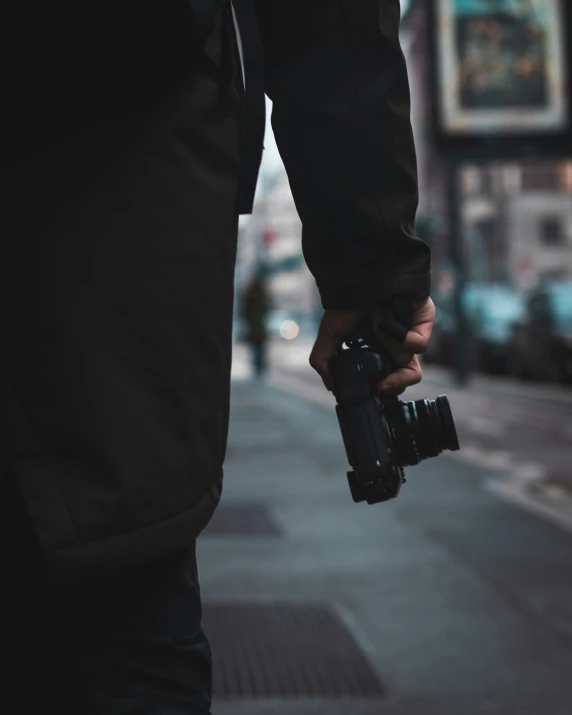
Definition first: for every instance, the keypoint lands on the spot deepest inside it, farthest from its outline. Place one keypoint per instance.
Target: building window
(553, 274)
(487, 182)
(551, 231)
(542, 178)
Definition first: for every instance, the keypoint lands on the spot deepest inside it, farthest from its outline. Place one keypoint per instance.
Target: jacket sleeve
(337, 77)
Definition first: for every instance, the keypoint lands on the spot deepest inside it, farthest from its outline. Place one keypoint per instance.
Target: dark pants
(259, 358)
(134, 357)
(128, 645)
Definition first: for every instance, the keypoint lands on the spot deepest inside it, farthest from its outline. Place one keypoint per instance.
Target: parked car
(491, 310)
(491, 321)
(541, 342)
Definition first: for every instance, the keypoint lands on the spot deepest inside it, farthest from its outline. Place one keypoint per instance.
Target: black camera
(383, 435)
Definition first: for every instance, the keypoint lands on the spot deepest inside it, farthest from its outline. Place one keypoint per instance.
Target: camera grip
(365, 438)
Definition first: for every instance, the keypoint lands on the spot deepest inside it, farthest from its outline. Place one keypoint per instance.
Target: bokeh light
(289, 330)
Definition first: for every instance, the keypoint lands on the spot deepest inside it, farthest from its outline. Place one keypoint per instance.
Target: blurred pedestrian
(130, 146)
(255, 308)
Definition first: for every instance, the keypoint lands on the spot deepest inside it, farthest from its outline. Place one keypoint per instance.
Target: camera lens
(450, 439)
(423, 429)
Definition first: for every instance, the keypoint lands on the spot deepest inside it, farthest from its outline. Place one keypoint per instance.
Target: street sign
(269, 235)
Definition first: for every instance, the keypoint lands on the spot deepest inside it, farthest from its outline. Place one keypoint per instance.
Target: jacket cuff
(374, 292)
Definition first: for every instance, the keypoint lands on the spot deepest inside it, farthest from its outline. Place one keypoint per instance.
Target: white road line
(527, 473)
(516, 493)
(501, 460)
(497, 460)
(487, 426)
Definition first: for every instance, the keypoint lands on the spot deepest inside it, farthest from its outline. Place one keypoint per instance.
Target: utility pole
(457, 254)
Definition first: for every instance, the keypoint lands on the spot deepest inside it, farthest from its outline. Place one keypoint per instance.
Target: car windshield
(495, 304)
(562, 303)
(503, 307)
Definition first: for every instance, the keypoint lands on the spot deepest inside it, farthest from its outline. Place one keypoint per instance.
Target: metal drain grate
(242, 519)
(285, 651)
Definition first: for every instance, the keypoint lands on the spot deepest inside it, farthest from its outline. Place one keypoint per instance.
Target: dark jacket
(337, 77)
(115, 363)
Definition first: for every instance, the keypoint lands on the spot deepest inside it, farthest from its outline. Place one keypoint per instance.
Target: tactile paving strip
(285, 651)
(242, 520)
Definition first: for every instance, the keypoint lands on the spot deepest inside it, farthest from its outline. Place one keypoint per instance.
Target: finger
(398, 352)
(417, 338)
(415, 342)
(423, 311)
(320, 362)
(402, 378)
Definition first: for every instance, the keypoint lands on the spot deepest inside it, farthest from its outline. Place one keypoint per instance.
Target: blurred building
(272, 238)
(517, 222)
(432, 181)
(516, 217)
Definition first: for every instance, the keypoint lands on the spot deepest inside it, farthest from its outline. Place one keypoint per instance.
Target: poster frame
(485, 145)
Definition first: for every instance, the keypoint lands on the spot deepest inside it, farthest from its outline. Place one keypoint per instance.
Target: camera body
(382, 436)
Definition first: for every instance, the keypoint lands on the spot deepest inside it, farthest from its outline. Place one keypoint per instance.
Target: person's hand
(405, 354)
(336, 324)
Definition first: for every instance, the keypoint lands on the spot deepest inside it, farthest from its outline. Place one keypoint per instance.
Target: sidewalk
(316, 605)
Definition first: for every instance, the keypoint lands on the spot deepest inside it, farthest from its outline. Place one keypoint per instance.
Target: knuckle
(315, 363)
(417, 345)
(402, 356)
(333, 332)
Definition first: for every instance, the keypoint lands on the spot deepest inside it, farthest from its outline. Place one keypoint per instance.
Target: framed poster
(501, 67)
